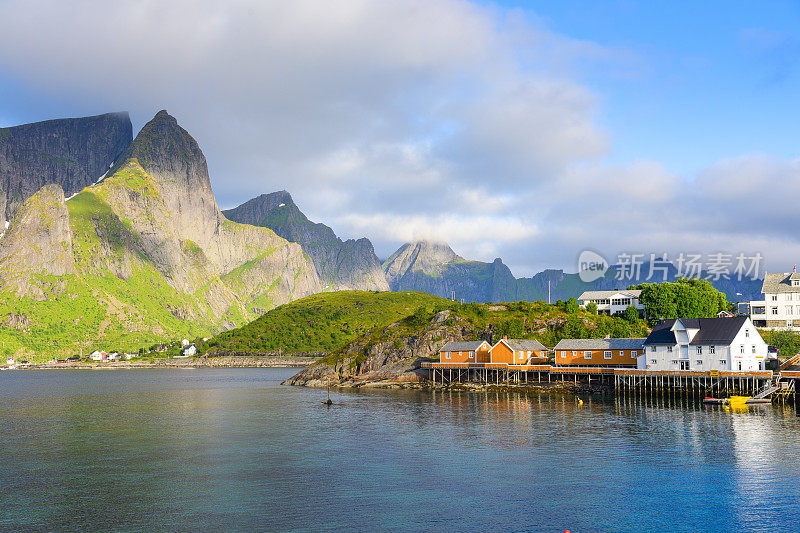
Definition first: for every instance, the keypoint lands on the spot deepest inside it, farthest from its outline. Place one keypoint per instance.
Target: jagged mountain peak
(164, 148)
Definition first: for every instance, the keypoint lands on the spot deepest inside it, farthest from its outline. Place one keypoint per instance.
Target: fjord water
(229, 449)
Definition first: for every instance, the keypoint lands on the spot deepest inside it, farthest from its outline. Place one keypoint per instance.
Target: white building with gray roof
(780, 308)
(611, 302)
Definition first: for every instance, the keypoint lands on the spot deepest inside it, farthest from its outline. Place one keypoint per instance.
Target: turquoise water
(232, 449)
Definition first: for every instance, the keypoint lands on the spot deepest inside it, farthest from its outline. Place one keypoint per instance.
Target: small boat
(717, 401)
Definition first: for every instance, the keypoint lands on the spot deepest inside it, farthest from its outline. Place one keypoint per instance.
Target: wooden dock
(624, 381)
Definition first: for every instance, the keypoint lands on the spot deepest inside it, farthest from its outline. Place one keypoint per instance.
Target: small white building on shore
(611, 302)
(704, 344)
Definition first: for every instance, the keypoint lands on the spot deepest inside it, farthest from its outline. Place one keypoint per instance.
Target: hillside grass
(331, 322)
(323, 322)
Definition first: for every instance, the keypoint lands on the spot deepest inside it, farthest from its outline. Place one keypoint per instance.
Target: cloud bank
(401, 120)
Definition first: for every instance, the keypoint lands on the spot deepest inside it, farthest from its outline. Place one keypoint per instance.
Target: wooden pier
(779, 385)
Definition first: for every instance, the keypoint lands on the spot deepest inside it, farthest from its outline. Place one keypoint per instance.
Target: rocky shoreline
(418, 382)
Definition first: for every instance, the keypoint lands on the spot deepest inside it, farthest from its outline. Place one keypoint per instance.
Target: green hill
(323, 322)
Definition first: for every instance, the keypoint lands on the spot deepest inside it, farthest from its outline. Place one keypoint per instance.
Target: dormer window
(796, 283)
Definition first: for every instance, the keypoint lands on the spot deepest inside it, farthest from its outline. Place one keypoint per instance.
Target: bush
(631, 314)
(591, 307)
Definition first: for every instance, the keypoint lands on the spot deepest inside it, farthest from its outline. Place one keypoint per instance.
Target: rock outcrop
(73, 153)
(341, 265)
(391, 362)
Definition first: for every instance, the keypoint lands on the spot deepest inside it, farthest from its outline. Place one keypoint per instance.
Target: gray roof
(777, 283)
(711, 331)
(524, 344)
(466, 346)
(600, 344)
(596, 295)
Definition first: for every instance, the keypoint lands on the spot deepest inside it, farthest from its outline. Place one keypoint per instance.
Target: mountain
(341, 265)
(143, 255)
(434, 268)
(73, 153)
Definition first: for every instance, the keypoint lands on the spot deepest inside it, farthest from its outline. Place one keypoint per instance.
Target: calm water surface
(232, 449)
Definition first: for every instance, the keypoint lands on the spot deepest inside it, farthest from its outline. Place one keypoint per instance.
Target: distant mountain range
(117, 242)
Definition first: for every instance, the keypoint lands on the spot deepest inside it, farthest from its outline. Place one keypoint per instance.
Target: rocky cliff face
(147, 250)
(38, 244)
(72, 153)
(341, 265)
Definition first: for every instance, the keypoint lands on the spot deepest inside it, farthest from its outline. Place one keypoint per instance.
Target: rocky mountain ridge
(73, 153)
(436, 269)
(341, 265)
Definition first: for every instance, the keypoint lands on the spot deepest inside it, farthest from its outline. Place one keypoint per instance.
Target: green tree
(591, 307)
(631, 314)
(788, 342)
(571, 306)
(684, 298)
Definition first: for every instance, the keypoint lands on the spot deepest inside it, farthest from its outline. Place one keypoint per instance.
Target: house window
(447, 355)
(522, 355)
(472, 355)
(674, 361)
(741, 348)
(622, 353)
(669, 348)
(563, 354)
(747, 331)
(652, 348)
(788, 309)
(774, 297)
(587, 355)
(774, 310)
(633, 354)
(607, 354)
(790, 323)
(574, 354)
(699, 350)
(712, 350)
(654, 361)
(796, 283)
(699, 361)
(754, 349)
(723, 361)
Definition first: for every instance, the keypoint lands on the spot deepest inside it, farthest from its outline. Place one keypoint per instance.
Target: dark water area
(232, 449)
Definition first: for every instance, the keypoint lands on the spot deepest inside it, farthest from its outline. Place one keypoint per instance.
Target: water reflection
(235, 450)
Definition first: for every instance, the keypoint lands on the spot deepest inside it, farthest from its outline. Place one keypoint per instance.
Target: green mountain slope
(322, 322)
(142, 256)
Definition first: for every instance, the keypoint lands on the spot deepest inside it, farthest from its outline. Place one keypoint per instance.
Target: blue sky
(706, 80)
(524, 130)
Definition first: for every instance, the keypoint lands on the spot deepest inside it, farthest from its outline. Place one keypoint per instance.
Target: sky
(529, 131)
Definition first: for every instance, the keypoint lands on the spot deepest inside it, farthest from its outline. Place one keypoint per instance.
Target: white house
(191, 350)
(610, 302)
(780, 308)
(703, 344)
(98, 356)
